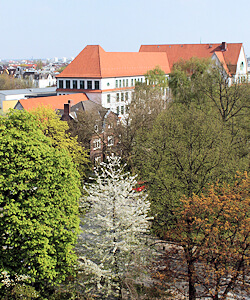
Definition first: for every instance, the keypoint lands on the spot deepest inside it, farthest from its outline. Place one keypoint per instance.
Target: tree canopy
(115, 230)
(39, 192)
(10, 83)
(61, 138)
(212, 237)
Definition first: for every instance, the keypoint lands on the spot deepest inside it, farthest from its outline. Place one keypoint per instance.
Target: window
(96, 128)
(118, 110)
(132, 82)
(116, 83)
(108, 98)
(110, 140)
(126, 82)
(126, 96)
(74, 84)
(67, 84)
(123, 82)
(242, 66)
(127, 109)
(89, 85)
(141, 79)
(97, 85)
(60, 84)
(122, 110)
(96, 144)
(120, 83)
(82, 84)
(122, 96)
(117, 97)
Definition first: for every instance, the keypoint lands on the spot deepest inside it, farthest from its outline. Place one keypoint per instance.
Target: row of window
(119, 96)
(125, 82)
(97, 142)
(122, 109)
(81, 84)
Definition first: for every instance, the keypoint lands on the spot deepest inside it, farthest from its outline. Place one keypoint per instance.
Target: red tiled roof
(221, 58)
(175, 52)
(55, 102)
(94, 62)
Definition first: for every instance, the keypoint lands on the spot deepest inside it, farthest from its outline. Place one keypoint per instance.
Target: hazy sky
(62, 28)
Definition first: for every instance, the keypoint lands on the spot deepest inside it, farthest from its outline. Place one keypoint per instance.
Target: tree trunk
(191, 281)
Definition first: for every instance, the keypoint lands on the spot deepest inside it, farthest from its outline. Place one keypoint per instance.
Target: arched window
(242, 66)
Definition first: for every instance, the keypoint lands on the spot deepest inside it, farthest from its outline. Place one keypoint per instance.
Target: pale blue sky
(62, 28)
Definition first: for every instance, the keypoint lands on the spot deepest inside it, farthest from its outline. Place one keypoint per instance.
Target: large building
(230, 55)
(108, 78)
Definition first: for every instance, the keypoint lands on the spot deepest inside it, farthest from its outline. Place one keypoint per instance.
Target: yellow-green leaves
(39, 192)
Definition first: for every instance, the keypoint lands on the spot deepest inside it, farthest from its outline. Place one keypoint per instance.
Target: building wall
(9, 104)
(241, 70)
(114, 93)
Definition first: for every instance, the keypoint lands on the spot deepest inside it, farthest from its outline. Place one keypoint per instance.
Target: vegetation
(39, 192)
(58, 131)
(115, 231)
(186, 144)
(10, 83)
(211, 238)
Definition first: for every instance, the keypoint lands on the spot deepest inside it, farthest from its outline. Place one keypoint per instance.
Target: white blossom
(115, 228)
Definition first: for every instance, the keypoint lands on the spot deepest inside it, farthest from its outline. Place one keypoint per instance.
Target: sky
(62, 28)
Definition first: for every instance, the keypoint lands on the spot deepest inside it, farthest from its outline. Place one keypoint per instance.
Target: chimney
(223, 46)
(66, 111)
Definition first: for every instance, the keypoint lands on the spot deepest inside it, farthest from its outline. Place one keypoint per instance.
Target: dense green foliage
(39, 192)
(58, 131)
(199, 137)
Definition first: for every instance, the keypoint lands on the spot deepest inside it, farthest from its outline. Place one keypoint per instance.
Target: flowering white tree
(115, 229)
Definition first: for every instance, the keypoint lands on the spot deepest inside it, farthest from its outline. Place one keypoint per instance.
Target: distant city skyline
(51, 28)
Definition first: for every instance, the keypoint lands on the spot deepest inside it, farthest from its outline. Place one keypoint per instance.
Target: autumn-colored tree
(212, 242)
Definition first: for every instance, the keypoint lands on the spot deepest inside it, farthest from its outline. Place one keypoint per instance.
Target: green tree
(208, 87)
(58, 131)
(39, 192)
(156, 78)
(186, 149)
(186, 79)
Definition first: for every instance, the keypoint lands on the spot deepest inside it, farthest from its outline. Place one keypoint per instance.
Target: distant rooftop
(31, 91)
